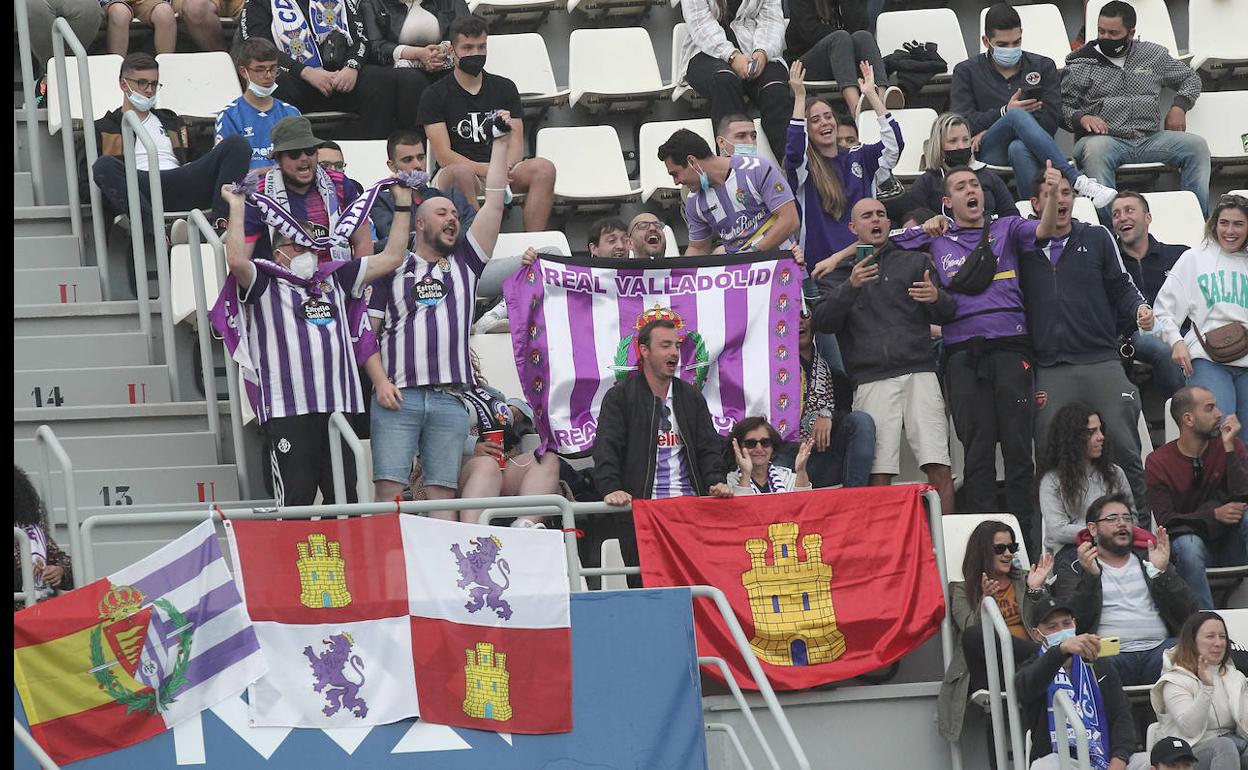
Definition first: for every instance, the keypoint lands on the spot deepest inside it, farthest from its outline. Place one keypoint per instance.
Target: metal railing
(28, 595)
(62, 33)
(131, 129)
(743, 705)
(724, 727)
(23, 737)
(990, 618)
(46, 440)
(947, 634)
(199, 227)
(1064, 710)
(26, 58)
(339, 431)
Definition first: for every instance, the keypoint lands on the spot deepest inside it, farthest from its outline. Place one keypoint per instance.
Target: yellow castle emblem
(791, 600)
(322, 574)
(488, 684)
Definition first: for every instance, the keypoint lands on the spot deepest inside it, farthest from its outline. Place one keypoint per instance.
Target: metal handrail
(990, 617)
(46, 439)
(1064, 709)
(131, 129)
(28, 101)
(62, 33)
(742, 704)
(947, 635)
(23, 737)
(28, 595)
(198, 228)
(724, 727)
(339, 431)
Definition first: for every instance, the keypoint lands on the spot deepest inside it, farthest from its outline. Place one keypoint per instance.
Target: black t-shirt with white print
(464, 114)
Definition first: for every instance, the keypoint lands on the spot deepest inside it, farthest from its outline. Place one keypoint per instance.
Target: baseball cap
(1170, 750)
(1043, 608)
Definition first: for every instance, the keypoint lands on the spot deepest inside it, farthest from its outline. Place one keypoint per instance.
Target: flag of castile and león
(128, 656)
(370, 620)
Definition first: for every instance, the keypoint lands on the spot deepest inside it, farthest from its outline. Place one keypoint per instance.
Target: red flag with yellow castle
(827, 584)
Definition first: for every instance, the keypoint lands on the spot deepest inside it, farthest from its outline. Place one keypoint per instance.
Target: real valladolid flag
(370, 620)
(827, 584)
(128, 656)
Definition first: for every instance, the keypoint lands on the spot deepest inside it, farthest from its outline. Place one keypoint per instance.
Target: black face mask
(955, 158)
(1113, 48)
(472, 65)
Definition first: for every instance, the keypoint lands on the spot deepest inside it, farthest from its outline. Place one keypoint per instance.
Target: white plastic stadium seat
(916, 125)
(1236, 625)
(498, 362)
(366, 160)
(182, 282)
(1083, 210)
(1172, 427)
(655, 181)
(197, 85)
(506, 257)
(1216, 32)
(936, 25)
(502, 13)
(589, 163)
(670, 238)
(1221, 117)
(1044, 32)
(1152, 22)
(613, 557)
(679, 88)
(1176, 217)
(525, 60)
(597, 77)
(1146, 441)
(957, 529)
(764, 145)
(105, 71)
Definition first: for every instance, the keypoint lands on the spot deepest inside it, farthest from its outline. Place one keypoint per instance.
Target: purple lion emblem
(474, 568)
(330, 671)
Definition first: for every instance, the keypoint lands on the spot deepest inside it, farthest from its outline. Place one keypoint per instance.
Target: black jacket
(257, 21)
(978, 91)
(1077, 309)
(929, 191)
(807, 26)
(383, 21)
(1032, 681)
(1082, 590)
(1150, 272)
(108, 134)
(883, 332)
(626, 441)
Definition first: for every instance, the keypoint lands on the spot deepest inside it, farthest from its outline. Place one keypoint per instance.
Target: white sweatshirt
(1208, 286)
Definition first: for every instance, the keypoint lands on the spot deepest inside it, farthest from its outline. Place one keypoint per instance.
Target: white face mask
(261, 91)
(141, 103)
(303, 265)
(1056, 638)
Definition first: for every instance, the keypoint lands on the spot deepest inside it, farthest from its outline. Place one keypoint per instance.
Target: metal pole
(28, 101)
(340, 430)
(198, 222)
(1063, 706)
(994, 682)
(724, 727)
(990, 615)
(27, 595)
(934, 516)
(136, 235)
(131, 126)
(46, 439)
(731, 681)
(205, 345)
(24, 738)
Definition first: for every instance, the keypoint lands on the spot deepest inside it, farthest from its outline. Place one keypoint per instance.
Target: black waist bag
(978, 270)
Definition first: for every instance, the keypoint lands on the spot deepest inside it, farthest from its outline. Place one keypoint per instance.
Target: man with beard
(1121, 589)
(422, 316)
(655, 438)
(647, 237)
(1198, 485)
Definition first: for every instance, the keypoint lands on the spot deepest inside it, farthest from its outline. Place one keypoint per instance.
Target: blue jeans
(1141, 667)
(848, 458)
(1100, 156)
(428, 423)
(1151, 350)
(1229, 385)
(1192, 555)
(1018, 140)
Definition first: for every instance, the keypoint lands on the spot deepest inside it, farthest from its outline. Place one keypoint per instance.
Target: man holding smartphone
(1012, 99)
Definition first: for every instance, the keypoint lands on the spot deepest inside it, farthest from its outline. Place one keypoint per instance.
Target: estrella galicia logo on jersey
(429, 291)
(318, 311)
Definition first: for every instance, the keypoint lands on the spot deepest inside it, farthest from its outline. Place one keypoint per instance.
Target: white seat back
(1236, 625)
(366, 161)
(498, 362)
(1176, 217)
(916, 125)
(679, 33)
(523, 59)
(612, 556)
(508, 250)
(1172, 427)
(936, 25)
(104, 71)
(182, 281)
(612, 61)
(197, 85)
(1221, 117)
(1152, 22)
(764, 144)
(672, 249)
(1215, 29)
(957, 528)
(588, 160)
(1044, 32)
(1083, 210)
(653, 174)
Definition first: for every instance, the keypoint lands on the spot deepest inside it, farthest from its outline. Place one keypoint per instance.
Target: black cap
(1170, 750)
(1042, 608)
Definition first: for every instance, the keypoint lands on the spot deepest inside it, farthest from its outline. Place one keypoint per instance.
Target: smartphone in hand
(863, 252)
(1110, 646)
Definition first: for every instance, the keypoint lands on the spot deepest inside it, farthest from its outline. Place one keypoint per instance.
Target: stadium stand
(1220, 117)
(103, 69)
(197, 85)
(523, 59)
(936, 25)
(1217, 46)
(604, 181)
(597, 81)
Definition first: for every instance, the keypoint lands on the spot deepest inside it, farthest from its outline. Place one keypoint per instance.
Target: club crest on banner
(329, 672)
(691, 345)
(791, 600)
(322, 574)
(126, 624)
(475, 570)
(487, 693)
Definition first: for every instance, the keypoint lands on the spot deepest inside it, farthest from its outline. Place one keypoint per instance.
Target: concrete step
(53, 285)
(178, 488)
(51, 389)
(80, 318)
(46, 220)
(116, 419)
(34, 251)
(23, 189)
(141, 450)
(86, 350)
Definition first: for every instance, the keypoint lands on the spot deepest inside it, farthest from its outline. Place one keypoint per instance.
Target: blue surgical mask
(1057, 637)
(263, 92)
(704, 179)
(745, 149)
(141, 103)
(1007, 57)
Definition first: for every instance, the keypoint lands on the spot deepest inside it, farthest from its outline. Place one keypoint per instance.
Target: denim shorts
(428, 424)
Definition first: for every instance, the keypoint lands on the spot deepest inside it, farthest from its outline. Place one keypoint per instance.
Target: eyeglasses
(1000, 548)
(648, 225)
(297, 154)
(750, 443)
(334, 165)
(144, 85)
(1116, 518)
(272, 70)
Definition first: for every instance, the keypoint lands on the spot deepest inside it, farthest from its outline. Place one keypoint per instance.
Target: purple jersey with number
(742, 209)
(426, 314)
(303, 342)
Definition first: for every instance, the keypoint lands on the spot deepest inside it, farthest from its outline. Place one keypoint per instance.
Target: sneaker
(177, 233)
(526, 524)
(894, 98)
(1101, 195)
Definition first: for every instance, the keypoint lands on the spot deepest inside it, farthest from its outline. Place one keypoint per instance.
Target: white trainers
(1101, 195)
(178, 233)
(526, 524)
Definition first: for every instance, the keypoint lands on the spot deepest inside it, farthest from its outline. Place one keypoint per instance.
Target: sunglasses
(333, 165)
(750, 443)
(1000, 548)
(297, 154)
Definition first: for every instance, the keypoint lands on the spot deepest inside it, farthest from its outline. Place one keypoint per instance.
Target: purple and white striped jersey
(671, 468)
(426, 315)
(302, 340)
(742, 209)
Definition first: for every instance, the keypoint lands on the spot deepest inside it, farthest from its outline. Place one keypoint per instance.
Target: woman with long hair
(830, 37)
(1208, 286)
(1202, 697)
(52, 566)
(752, 445)
(949, 147)
(1076, 470)
(989, 568)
